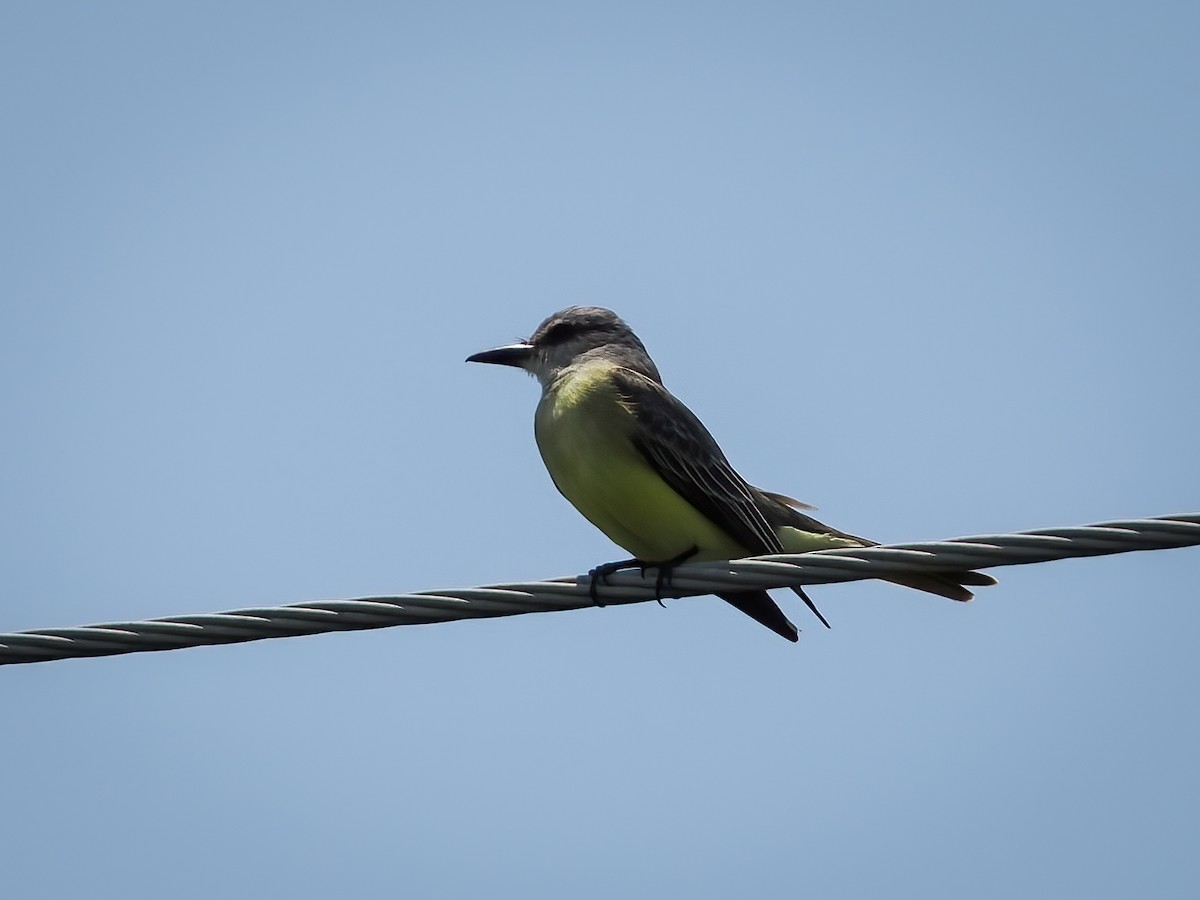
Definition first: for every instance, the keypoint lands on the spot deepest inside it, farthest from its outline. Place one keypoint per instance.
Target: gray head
(574, 335)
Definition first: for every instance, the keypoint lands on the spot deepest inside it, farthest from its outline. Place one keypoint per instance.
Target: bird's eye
(559, 332)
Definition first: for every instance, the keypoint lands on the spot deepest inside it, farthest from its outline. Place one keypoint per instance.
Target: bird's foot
(601, 572)
(667, 569)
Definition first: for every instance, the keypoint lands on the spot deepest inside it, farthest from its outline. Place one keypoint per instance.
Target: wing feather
(682, 451)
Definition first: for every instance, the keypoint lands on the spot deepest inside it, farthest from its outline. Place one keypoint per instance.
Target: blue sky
(931, 267)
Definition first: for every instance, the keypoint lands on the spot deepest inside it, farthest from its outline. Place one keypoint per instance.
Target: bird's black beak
(511, 355)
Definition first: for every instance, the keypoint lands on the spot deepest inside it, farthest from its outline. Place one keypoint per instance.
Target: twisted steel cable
(572, 592)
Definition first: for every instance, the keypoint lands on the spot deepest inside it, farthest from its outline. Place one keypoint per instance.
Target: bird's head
(573, 335)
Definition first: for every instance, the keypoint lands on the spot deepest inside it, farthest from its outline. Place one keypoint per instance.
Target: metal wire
(423, 607)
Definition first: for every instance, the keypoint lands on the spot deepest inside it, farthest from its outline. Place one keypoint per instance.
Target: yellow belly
(584, 434)
(795, 540)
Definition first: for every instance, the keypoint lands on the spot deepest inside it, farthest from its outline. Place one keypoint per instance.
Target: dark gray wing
(680, 449)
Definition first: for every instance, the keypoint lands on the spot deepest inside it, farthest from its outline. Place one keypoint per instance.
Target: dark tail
(945, 584)
(781, 510)
(759, 606)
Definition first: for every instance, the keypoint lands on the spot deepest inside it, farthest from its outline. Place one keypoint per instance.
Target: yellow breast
(584, 432)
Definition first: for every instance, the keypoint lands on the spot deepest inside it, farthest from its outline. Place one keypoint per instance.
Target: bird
(641, 467)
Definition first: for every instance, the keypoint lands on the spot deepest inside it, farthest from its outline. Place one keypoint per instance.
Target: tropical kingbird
(644, 470)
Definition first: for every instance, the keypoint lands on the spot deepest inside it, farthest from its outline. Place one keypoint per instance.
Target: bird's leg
(666, 569)
(601, 572)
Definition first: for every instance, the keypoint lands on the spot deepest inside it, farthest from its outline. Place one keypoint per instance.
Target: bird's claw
(663, 579)
(601, 573)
